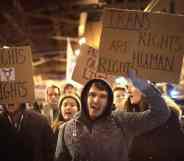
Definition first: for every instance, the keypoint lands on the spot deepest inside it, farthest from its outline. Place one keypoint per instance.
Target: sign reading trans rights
(150, 43)
(16, 76)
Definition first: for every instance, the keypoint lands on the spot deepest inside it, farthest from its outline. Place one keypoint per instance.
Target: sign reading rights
(86, 66)
(16, 76)
(150, 43)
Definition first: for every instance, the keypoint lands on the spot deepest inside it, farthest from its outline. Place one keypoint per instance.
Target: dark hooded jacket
(164, 143)
(109, 137)
(33, 141)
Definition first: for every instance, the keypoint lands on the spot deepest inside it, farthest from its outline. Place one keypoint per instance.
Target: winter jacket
(110, 136)
(33, 141)
(60, 119)
(165, 143)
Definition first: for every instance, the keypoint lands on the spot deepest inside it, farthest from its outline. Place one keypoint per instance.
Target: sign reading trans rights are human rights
(16, 76)
(150, 43)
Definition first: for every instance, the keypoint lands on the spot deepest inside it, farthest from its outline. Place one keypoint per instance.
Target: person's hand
(137, 82)
(142, 84)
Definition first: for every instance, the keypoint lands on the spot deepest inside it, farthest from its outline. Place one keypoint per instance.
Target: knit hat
(118, 87)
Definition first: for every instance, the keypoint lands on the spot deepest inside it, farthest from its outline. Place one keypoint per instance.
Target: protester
(96, 134)
(162, 143)
(69, 104)
(69, 89)
(25, 135)
(120, 97)
(136, 101)
(51, 109)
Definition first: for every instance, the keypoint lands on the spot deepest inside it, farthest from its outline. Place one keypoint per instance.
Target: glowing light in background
(121, 80)
(77, 52)
(6, 47)
(82, 40)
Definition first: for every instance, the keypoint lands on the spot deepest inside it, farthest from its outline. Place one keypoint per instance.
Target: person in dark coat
(164, 143)
(50, 110)
(25, 135)
(97, 134)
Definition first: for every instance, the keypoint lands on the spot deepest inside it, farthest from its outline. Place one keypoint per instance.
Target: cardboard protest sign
(16, 75)
(150, 43)
(85, 68)
(93, 33)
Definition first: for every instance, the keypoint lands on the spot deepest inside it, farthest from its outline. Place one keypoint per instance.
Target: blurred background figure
(38, 107)
(69, 89)
(120, 95)
(51, 109)
(69, 104)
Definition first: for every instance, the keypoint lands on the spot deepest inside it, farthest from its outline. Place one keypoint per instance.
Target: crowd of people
(133, 122)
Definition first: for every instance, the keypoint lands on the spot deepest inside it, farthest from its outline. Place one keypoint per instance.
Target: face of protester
(70, 90)
(96, 101)
(52, 96)
(134, 94)
(68, 108)
(120, 98)
(12, 108)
